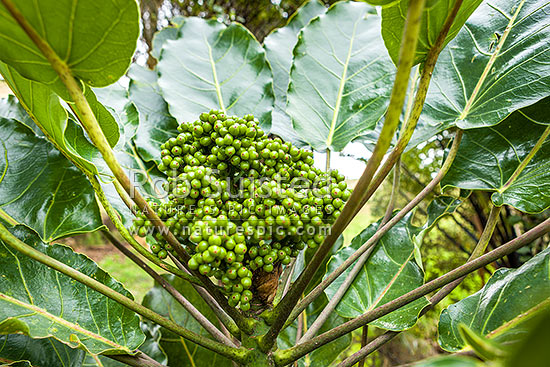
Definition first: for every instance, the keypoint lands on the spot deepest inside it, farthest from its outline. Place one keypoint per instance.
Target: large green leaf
(433, 18)
(47, 352)
(211, 66)
(450, 361)
(326, 354)
(156, 125)
(390, 272)
(510, 297)
(170, 32)
(45, 109)
(40, 188)
(278, 47)
(341, 76)
(496, 64)
(182, 352)
(40, 302)
(488, 157)
(95, 38)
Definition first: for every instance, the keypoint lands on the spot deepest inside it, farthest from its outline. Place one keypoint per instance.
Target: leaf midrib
(60, 321)
(490, 63)
(215, 75)
(342, 85)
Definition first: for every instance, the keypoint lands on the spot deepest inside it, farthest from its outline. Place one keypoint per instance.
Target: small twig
(284, 284)
(214, 305)
(364, 341)
(188, 306)
(289, 279)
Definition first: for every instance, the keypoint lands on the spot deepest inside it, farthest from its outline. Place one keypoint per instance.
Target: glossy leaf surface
(488, 157)
(510, 298)
(97, 49)
(45, 109)
(341, 76)
(390, 272)
(40, 302)
(41, 188)
(156, 125)
(46, 352)
(494, 66)
(211, 66)
(433, 18)
(278, 47)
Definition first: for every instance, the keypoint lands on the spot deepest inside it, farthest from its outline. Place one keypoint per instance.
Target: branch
(287, 356)
(311, 296)
(188, 306)
(435, 299)
(404, 139)
(406, 57)
(14, 242)
(418, 105)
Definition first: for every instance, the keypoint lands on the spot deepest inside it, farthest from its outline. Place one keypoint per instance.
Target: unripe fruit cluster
(241, 201)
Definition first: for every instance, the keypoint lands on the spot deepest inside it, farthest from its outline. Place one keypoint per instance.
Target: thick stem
(14, 242)
(188, 306)
(406, 57)
(311, 296)
(327, 163)
(435, 299)
(287, 356)
(418, 105)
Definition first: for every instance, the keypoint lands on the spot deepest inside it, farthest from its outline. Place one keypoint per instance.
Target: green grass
(125, 271)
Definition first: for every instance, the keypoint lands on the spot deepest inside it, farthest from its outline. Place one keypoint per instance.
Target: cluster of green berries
(241, 201)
